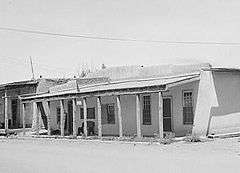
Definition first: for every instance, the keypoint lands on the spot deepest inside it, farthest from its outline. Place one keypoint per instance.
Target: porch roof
(118, 87)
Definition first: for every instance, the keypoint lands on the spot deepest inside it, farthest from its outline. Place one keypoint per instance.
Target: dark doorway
(14, 113)
(167, 115)
(69, 119)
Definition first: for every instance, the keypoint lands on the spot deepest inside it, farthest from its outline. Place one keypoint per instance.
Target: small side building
(10, 107)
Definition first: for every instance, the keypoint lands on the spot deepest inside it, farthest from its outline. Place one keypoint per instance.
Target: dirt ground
(61, 155)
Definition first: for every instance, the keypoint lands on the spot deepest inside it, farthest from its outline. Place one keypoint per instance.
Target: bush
(192, 138)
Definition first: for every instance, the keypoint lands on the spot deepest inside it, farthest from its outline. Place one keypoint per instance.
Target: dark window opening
(188, 107)
(90, 113)
(147, 110)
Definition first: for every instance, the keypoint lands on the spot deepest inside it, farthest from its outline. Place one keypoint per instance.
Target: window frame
(144, 122)
(58, 115)
(108, 113)
(183, 106)
(88, 118)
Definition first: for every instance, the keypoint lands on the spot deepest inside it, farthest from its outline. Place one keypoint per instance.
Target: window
(108, 114)
(90, 113)
(147, 110)
(187, 107)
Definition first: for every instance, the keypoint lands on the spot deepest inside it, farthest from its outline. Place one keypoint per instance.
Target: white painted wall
(177, 99)
(218, 107)
(128, 103)
(226, 116)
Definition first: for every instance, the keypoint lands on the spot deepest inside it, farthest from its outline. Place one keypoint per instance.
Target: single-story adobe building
(10, 104)
(141, 101)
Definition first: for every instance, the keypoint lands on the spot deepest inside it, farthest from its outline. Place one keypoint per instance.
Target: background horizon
(171, 20)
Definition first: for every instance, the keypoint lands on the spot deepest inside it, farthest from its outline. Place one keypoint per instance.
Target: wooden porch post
(119, 117)
(160, 109)
(37, 118)
(35, 115)
(99, 113)
(138, 116)
(85, 116)
(6, 111)
(74, 118)
(23, 117)
(62, 119)
(48, 118)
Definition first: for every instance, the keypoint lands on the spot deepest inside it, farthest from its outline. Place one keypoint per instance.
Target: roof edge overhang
(108, 92)
(125, 91)
(182, 82)
(222, 69)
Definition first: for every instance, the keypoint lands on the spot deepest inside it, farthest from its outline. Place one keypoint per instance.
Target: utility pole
(32, 68)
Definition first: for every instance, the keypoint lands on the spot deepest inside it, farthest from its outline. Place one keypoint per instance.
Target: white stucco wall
(176, 92)
(226, 116)
(128, 104)
(218, 108)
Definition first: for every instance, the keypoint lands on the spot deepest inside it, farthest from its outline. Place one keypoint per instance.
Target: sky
(168, 20)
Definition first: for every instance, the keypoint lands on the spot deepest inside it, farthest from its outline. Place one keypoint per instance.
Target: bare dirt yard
(61, 155)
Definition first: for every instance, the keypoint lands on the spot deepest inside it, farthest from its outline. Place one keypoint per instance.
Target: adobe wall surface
(128, 104)
(218, 107)
(13, 93)
(226, 116)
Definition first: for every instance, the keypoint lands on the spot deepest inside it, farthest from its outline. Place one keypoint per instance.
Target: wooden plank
(74, 103)
(138, 118)
(62, 117)
(85, 116)
(125, 91)
(99, 113)
(160, 114)
(6, 111)
(48, 118)
(35, 112)
(119, 112)
(37, 119)
(52, 98)
(23, 117)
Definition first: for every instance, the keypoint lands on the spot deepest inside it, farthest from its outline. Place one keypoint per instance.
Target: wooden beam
(52, 98)
(119, 112)
(99, 113)
(48, 113)
(112, 92)
(23, 117)
(35, 112)
(85, 116)
(138, 118)
(160, 114)
(6, 111)
(62, 118)
(37, 119)
(74, 103)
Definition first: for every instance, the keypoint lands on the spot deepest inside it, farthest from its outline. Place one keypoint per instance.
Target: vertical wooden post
(62, 118)
(74, 102)
(160, 114)
(6, 111)
(85, 116)
(138, 109)
(48, 112)
(119, 117)
(99, 113)
(23, 117)
(38, 119)
(35, 112)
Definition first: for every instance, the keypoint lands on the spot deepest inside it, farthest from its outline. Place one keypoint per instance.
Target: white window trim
(186, 91)
(142, 100)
